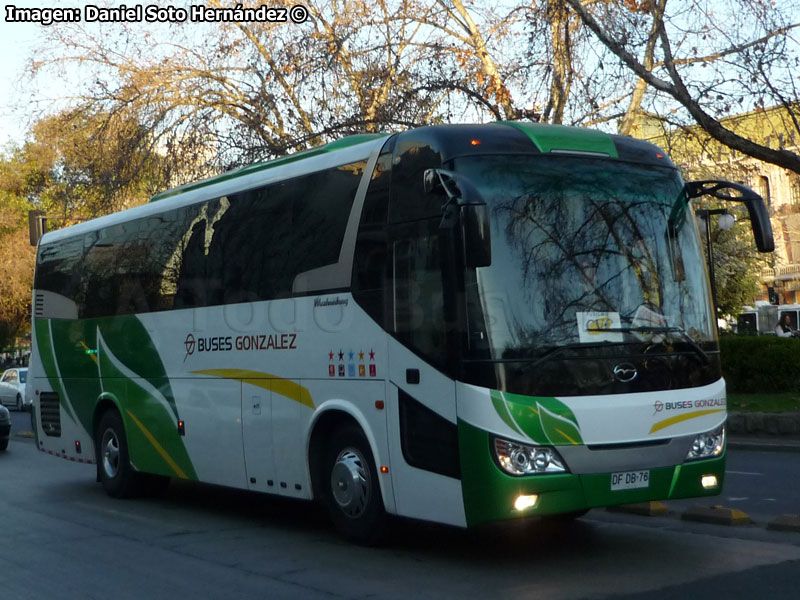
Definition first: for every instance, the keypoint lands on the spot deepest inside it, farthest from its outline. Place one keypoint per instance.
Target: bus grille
(50, 414)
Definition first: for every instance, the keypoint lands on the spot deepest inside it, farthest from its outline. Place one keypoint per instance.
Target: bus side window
(376, 202)
(59, 270)
(418, 294)
(190, 279)
(369, 262)
(409, 200)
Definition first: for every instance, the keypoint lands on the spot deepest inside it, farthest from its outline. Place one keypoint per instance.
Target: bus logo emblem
(189, 344)
(625, 372)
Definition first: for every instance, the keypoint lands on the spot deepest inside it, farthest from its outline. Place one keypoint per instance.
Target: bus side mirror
(736, 192)
(37, 225)
(476, 233)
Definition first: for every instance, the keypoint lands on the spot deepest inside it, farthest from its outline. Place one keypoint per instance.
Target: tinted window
(129, 267)
(376, 202)
(418, 311)
(369, 263)
(409, 200)
(246, 247)
(59, 268)
(263, 238)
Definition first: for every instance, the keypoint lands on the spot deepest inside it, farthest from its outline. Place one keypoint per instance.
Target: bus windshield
(585, 252)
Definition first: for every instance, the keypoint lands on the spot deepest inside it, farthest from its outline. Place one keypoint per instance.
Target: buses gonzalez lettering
(687, 404)
(251, 342)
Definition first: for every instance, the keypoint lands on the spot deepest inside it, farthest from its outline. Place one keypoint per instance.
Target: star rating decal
(351, 367)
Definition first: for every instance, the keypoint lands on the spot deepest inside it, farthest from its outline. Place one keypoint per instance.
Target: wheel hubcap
(110, 449)
(350, 483)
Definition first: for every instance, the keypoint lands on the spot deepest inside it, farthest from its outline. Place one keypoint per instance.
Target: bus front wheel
(352, 491)
(119, 479)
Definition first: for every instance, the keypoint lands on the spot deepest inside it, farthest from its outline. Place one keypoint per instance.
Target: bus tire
(352, 491)
(118, 477)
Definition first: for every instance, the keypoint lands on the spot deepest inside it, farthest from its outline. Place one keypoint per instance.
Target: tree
(737, 268)
(87, 164)
(709, 62)
(243, 91)
(75, 165)
(16, 268)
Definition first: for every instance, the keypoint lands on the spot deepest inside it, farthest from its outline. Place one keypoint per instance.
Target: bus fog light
(708, 445)
(525, 502)
(709, 481)
(522, 459)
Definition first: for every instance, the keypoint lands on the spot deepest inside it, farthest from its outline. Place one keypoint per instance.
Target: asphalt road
(20, 421)
(62, 537)
(765, 485)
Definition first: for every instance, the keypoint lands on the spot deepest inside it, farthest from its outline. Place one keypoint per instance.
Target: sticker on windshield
(599, 326)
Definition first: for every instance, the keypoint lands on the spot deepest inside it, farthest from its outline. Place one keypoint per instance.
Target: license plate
(630, 480)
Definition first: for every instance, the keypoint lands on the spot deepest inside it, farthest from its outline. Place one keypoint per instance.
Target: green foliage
(752, 364)
(763, 402)
(87, 163)
(75, 164)
(737, 267)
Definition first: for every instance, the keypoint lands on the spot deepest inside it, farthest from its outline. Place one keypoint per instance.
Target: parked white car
(12, 388)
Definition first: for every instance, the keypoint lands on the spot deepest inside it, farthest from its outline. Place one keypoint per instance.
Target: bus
(461, 324)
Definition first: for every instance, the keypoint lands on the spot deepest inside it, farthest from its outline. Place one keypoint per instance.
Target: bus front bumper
(492, 495)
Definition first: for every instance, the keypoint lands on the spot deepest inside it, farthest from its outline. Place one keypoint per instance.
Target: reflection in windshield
(580, 254)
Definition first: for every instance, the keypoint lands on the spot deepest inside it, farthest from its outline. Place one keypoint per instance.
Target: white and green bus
(459, 324)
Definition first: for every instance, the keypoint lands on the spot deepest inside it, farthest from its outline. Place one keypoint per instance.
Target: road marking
(743, 473)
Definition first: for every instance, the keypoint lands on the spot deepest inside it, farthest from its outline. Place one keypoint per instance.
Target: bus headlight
(522, 459)
(708, 444)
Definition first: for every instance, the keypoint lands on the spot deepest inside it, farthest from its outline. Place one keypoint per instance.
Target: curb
(764, 443)
(764, 424)
(716, 515)
(785, 523)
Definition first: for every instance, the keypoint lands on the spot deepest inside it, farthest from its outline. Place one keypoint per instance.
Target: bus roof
(451, 141)
(544, 138)
(345, 142)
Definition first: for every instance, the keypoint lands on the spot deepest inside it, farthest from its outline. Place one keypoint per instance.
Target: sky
(17, 40)
(17, 43)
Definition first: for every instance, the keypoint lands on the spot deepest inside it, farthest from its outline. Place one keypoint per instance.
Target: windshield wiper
(679, 330)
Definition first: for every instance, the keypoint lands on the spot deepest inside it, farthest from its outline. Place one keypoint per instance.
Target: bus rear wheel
(352, 492)
(118, 477)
